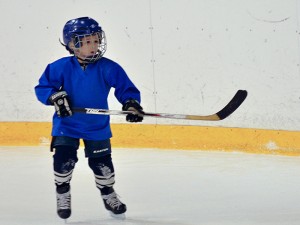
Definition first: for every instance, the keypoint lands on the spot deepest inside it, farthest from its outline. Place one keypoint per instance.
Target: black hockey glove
(61, 103)
(133, 105)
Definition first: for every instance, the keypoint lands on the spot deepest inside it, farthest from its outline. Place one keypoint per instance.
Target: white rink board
(187, 57)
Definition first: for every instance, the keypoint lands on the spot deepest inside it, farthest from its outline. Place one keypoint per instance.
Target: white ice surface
(160, 187)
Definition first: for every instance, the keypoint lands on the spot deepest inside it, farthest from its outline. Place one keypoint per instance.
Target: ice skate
(112, 203)
(63, 196)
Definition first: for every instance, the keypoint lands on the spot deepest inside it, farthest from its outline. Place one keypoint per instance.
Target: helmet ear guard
(66, 46)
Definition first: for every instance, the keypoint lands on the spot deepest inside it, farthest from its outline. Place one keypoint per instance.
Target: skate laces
(112, 200)
(63, 200)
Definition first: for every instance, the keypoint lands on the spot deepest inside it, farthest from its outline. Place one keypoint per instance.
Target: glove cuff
(61, 94)
(131, 103)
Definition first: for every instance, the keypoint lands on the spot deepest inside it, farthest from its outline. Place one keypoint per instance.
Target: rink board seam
(168, 137)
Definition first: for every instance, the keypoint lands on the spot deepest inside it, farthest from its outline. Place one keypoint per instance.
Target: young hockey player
(84, 80)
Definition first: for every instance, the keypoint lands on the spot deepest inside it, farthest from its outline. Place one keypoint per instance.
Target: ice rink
(160, 187)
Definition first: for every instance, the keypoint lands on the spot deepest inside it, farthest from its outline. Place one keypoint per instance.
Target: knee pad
(102, 165)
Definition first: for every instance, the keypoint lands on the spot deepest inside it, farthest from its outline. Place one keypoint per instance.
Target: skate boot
(113, 204)
(63, 197)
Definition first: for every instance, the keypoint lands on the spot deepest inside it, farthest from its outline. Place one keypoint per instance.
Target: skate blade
(118, 216)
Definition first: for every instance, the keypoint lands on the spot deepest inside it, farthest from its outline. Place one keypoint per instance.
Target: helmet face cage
(98, 49)
(79, 39)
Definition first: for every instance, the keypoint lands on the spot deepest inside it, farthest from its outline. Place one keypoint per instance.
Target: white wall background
(186, 56)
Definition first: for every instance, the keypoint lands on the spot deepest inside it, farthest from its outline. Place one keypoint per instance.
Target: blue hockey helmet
(75, 29)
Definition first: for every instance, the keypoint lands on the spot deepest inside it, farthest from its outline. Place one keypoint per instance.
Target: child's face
(88, 47)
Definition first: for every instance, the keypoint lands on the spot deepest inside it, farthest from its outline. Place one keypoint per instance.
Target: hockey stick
(234, 103)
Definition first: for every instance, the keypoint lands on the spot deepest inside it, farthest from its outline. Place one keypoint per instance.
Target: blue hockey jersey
(86, 89)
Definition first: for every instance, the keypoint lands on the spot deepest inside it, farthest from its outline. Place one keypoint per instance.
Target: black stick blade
(235, 102)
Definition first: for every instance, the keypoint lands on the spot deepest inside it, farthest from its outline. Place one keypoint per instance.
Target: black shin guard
(104, 173)
(64, 160)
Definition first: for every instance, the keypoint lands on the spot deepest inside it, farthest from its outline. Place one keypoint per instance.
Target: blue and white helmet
(76, 29)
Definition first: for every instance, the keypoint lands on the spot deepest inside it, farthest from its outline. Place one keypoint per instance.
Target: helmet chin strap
(90, 59)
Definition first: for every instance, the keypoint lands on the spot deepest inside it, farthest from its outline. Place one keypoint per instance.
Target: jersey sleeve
(124, 87)
(48, 84)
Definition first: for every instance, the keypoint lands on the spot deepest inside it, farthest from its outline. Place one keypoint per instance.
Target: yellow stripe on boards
(25, 133)
(167, 137)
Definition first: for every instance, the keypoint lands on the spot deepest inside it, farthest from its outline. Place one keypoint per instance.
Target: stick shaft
(234, 103)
